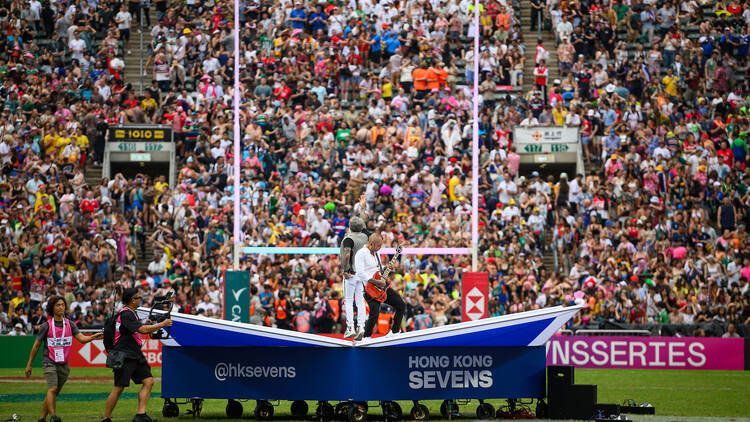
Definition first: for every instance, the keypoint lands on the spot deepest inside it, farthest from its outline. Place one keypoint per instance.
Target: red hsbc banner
(476, 287)
(92, 355)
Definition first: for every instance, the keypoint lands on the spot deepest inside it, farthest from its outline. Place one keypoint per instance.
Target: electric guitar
(377, 286)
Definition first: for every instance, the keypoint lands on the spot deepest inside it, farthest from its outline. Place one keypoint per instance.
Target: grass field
(676, 395)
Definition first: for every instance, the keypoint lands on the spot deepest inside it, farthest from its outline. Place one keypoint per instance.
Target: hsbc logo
(475, 304)
(475, 288)
(93, 352)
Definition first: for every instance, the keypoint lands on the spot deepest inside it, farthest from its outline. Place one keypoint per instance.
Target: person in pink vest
(128, 342)
(55, 339)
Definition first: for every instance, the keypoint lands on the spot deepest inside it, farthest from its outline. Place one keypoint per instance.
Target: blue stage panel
(531, 328)
(386, 373)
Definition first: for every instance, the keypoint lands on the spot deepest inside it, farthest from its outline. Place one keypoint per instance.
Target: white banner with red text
(92, 355)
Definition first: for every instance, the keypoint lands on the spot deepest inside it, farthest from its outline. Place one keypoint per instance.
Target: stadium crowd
(373, 98)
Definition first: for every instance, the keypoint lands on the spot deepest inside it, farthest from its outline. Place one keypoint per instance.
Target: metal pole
(475, 146)
(140, 47)
(539, 24)
(237, 241)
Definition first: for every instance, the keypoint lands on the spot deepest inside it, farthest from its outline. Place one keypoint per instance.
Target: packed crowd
(371, 98)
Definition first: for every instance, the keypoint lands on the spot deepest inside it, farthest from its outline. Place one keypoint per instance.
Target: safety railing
(635, 333)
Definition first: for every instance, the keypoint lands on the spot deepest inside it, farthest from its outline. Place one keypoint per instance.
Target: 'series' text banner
(647, 352)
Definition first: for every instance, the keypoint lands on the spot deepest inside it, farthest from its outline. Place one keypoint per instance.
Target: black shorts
(132, 369)
(125, 35)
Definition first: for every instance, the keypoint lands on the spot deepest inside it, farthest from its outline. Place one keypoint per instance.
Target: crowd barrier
(711, 329)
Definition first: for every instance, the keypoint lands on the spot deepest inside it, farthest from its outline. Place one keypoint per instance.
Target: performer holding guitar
(377, 288)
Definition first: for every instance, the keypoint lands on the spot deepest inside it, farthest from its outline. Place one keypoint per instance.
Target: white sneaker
(365, 340)
(360, 334)
(390, 334)
(130, 52)
(349, 332)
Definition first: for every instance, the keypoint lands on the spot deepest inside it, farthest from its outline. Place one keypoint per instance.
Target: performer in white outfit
(355, 240)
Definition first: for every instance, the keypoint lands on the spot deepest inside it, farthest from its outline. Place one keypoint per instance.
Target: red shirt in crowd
(282, 93)
(726, 156)
(89, 205)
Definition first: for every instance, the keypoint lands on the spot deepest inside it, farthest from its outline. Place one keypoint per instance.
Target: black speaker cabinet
(572, 402)
(561, 375)
(559, 380)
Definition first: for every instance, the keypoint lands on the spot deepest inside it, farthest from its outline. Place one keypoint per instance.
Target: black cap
(127, 294)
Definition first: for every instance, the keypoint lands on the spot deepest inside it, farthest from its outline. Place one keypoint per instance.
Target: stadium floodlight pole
(236, 207)
(475, 146)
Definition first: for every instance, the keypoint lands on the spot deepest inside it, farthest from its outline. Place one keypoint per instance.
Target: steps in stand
(131, 73)
(530, 41)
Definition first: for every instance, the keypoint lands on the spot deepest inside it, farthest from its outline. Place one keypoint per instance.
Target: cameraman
(128, 341)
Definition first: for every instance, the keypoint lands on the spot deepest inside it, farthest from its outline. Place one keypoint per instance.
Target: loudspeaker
(574, 402)
(581, 402)
(561, 375)
(559, 380)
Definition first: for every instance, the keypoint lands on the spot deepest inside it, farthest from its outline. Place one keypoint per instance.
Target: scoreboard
(140, 133)
(140, 149)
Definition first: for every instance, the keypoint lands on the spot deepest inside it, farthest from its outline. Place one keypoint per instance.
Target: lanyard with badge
(58, 342)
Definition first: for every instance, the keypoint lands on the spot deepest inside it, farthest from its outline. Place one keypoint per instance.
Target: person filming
(132, 364)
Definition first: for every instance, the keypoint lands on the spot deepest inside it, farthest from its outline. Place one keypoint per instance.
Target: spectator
(17, 330)
(731, 332)
(663, 128)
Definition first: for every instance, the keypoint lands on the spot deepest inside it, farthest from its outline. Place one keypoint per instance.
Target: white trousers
(354, 289)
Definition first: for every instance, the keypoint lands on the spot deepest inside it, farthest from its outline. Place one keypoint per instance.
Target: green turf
(675, 394)
(78, 397)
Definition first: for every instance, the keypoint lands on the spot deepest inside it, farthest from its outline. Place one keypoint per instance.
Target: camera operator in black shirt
(128, 343)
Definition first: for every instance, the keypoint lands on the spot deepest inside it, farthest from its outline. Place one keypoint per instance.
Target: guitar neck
(389, 268)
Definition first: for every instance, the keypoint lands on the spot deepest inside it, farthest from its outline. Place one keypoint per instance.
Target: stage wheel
(170, 409)
(392, 411)
(341, 410)
(420, 413)
(299, 409)
(357, 413)
(234, 409)
(485, 411)
(263, 410)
